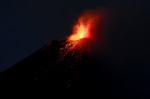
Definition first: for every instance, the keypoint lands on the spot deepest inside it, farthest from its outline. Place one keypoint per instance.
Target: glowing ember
(74, 49)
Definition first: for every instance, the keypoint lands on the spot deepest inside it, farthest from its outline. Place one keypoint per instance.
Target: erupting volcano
(65, 64)
(62, 63)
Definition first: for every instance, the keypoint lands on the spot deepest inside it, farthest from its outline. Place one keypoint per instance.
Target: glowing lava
(85, 26)
(80, 31)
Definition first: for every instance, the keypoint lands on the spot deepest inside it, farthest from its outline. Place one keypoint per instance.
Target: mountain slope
(60, 62)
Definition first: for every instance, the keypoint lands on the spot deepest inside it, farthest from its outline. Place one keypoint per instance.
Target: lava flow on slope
(76, 50)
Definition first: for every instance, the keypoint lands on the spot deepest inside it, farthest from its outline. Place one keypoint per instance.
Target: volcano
(59, 62)
(62, 65)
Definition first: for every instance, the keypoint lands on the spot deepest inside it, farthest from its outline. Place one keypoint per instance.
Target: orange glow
(84, 26)
(80, 31)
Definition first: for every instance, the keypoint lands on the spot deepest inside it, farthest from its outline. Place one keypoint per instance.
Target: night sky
(27, 25)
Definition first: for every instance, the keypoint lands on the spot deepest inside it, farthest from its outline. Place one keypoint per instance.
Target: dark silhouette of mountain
(69, 66)
(59, 62)
(63, 65)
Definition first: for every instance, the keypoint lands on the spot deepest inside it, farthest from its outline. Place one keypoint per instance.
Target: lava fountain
(85, 27)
